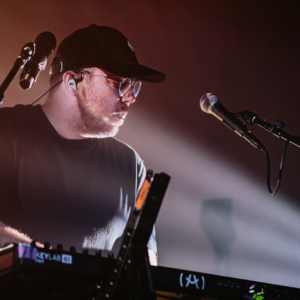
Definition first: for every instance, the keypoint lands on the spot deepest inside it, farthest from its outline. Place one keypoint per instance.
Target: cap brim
(144, 73)
(135, 71)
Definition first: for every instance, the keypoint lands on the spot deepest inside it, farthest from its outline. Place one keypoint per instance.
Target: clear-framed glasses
(124, 85)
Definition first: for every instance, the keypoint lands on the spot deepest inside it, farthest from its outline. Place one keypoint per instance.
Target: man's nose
(128, 97)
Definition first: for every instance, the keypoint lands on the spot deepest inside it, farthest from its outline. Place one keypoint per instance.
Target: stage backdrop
(217, 216)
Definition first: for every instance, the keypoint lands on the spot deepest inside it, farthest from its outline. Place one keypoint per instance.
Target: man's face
(101, 108)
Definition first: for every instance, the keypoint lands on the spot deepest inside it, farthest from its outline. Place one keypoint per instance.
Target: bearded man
(64, 178)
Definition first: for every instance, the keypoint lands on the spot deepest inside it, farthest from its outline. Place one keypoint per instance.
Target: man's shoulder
(140, 167)
(20, 107)
(128, 148)
(11, 116)
(20, 119)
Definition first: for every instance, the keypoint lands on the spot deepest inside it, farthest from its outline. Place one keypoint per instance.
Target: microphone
(45, 44)
(210, 104)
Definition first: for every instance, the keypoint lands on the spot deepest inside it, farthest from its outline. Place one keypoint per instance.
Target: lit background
(217, 216)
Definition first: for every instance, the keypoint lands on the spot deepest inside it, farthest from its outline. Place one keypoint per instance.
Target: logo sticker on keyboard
(41, 257)
(191, 281)
(66, 259)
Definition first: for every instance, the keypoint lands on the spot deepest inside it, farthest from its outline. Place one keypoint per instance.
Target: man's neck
(63, 114)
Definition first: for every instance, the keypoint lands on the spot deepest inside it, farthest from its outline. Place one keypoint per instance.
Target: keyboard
(38, 273)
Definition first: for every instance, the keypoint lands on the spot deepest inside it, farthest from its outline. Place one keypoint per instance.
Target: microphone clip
(248, 116)
(276, 129)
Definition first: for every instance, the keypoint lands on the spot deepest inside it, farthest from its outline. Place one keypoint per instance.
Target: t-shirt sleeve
(141, 175)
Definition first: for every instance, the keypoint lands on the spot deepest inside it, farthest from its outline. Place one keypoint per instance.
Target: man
(64, 177)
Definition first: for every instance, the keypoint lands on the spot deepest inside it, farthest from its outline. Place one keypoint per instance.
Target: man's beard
(90, 125)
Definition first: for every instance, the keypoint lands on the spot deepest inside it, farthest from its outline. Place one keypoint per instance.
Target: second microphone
(210, 104)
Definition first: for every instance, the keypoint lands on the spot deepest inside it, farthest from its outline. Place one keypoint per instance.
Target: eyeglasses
(124, 85)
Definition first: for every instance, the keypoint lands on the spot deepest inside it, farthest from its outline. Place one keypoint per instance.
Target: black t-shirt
(73, 192)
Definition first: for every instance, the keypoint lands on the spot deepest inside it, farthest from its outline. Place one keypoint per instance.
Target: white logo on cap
(130, 46)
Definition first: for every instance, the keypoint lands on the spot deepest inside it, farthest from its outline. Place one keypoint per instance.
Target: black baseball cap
(103, 47)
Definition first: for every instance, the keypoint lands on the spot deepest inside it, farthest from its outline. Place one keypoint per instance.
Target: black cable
(52, 87)
(280, 169)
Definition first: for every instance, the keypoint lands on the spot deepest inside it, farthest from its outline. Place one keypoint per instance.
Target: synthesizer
(30, 272)
(34, 272)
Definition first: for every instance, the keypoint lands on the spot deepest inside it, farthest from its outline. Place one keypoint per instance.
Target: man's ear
(71, 80)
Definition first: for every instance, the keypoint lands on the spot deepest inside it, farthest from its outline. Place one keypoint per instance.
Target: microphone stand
(26, 53)
(276, 129)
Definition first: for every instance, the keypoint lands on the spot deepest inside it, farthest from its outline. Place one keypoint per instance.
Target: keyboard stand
(131, 274)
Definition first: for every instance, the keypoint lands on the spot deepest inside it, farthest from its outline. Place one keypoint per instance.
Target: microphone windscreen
(46, 41)
(207, 101)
